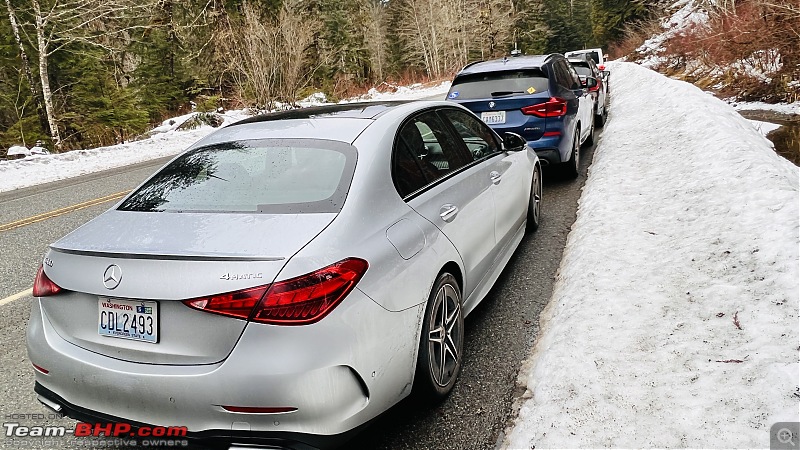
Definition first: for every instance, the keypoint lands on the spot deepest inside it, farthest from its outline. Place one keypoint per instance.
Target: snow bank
(674, 319)
(166, 140)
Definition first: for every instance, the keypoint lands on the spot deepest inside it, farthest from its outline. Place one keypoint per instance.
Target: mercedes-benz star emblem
(112, 276)
(491, 104)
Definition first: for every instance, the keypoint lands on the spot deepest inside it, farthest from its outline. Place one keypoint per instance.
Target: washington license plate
(128, 319)
(493, 117)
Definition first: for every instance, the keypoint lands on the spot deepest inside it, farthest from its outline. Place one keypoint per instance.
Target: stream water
(786, 138)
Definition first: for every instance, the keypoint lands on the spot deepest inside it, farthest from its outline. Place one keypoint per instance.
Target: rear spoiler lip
(165, 257)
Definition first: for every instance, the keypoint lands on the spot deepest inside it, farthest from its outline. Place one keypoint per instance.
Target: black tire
(600, 120)
(441, 342)
(572, 166)
(535, 201)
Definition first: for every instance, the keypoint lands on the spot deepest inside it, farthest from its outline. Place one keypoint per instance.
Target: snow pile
(674, 319)
(764, 127)
(166, 140)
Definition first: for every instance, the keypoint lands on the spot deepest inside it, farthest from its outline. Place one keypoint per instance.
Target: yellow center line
(16, 296)
(61, 211)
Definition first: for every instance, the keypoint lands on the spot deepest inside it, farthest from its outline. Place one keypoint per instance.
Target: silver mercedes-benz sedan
(287, 278)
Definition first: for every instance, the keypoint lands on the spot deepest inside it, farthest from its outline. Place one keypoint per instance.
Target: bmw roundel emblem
(491, 104)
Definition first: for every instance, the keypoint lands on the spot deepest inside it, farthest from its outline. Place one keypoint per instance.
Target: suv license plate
(493, 117)
(128, 319)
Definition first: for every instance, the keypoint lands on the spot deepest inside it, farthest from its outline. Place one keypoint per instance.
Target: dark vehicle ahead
(587, 68)
(541, 98)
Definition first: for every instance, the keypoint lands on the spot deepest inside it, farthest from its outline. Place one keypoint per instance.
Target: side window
(424, 152)
(406, 171)
(479, 139)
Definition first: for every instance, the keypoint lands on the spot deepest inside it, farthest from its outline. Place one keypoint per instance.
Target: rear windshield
(592, 54)
(498, 84)
(585, 71)
(286, 176)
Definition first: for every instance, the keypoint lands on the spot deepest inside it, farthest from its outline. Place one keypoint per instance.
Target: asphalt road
(499, 333)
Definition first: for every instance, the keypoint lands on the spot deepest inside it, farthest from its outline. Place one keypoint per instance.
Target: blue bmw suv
(541, 98)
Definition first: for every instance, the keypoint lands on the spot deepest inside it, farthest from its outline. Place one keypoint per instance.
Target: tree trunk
(26, 67)
(47, 94)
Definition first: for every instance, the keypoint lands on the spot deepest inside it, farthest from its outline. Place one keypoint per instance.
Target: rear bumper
(548, 156)
(338, 373)
(208, 439)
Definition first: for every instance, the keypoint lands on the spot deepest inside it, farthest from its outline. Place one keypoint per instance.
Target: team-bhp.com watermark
(88, 435)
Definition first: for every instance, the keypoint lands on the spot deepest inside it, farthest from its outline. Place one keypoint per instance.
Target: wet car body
(242, 347)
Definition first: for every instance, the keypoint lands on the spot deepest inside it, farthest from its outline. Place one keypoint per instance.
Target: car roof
(513, 63)
(359, 110)
(342, 122)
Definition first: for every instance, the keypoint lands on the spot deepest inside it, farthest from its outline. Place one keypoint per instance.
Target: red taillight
(555, 107)
(601, 67)
(260, 410)
(595, 88)
(43, 286)
(552, 133)
(238, 304)
(298, 301)
(308, 298)
(40, 369)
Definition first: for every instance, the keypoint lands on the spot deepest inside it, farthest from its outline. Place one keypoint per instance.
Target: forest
(86, 73)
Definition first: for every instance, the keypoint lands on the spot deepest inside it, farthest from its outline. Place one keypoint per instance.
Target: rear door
(440, 181)
(510, 178)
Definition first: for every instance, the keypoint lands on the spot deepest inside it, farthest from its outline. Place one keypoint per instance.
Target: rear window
(286, 176)
(498, 84)
(585, 71)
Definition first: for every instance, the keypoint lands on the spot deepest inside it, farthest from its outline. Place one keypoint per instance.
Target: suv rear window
(583, 70)
(501, 84)
(286, 176)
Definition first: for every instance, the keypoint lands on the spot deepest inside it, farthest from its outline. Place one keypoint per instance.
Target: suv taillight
(555, 107)
(297, 301)
(43, 286)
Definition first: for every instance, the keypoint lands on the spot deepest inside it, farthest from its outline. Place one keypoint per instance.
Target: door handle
(448, 212)
(495, 177)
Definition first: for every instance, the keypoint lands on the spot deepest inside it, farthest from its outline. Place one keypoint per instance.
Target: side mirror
(513, 142)
(591, 82)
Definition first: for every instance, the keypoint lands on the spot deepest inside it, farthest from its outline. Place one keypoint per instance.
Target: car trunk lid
(127, 262)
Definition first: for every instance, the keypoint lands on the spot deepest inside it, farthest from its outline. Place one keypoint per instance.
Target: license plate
(128, 319)
(493, 117)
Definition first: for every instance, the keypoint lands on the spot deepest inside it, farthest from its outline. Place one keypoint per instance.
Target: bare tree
(26, 66)
(59, 23)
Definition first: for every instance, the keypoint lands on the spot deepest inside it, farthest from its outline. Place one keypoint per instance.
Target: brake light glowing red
(237, 304)
(555, 107)
(43, 286)
(297, 301)
(308, 298)
(601, 67)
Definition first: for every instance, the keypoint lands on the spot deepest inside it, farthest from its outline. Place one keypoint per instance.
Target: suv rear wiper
(504, 93)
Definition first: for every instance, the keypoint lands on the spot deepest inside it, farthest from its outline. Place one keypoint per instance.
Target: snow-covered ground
(674, 319)
(166, 140)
